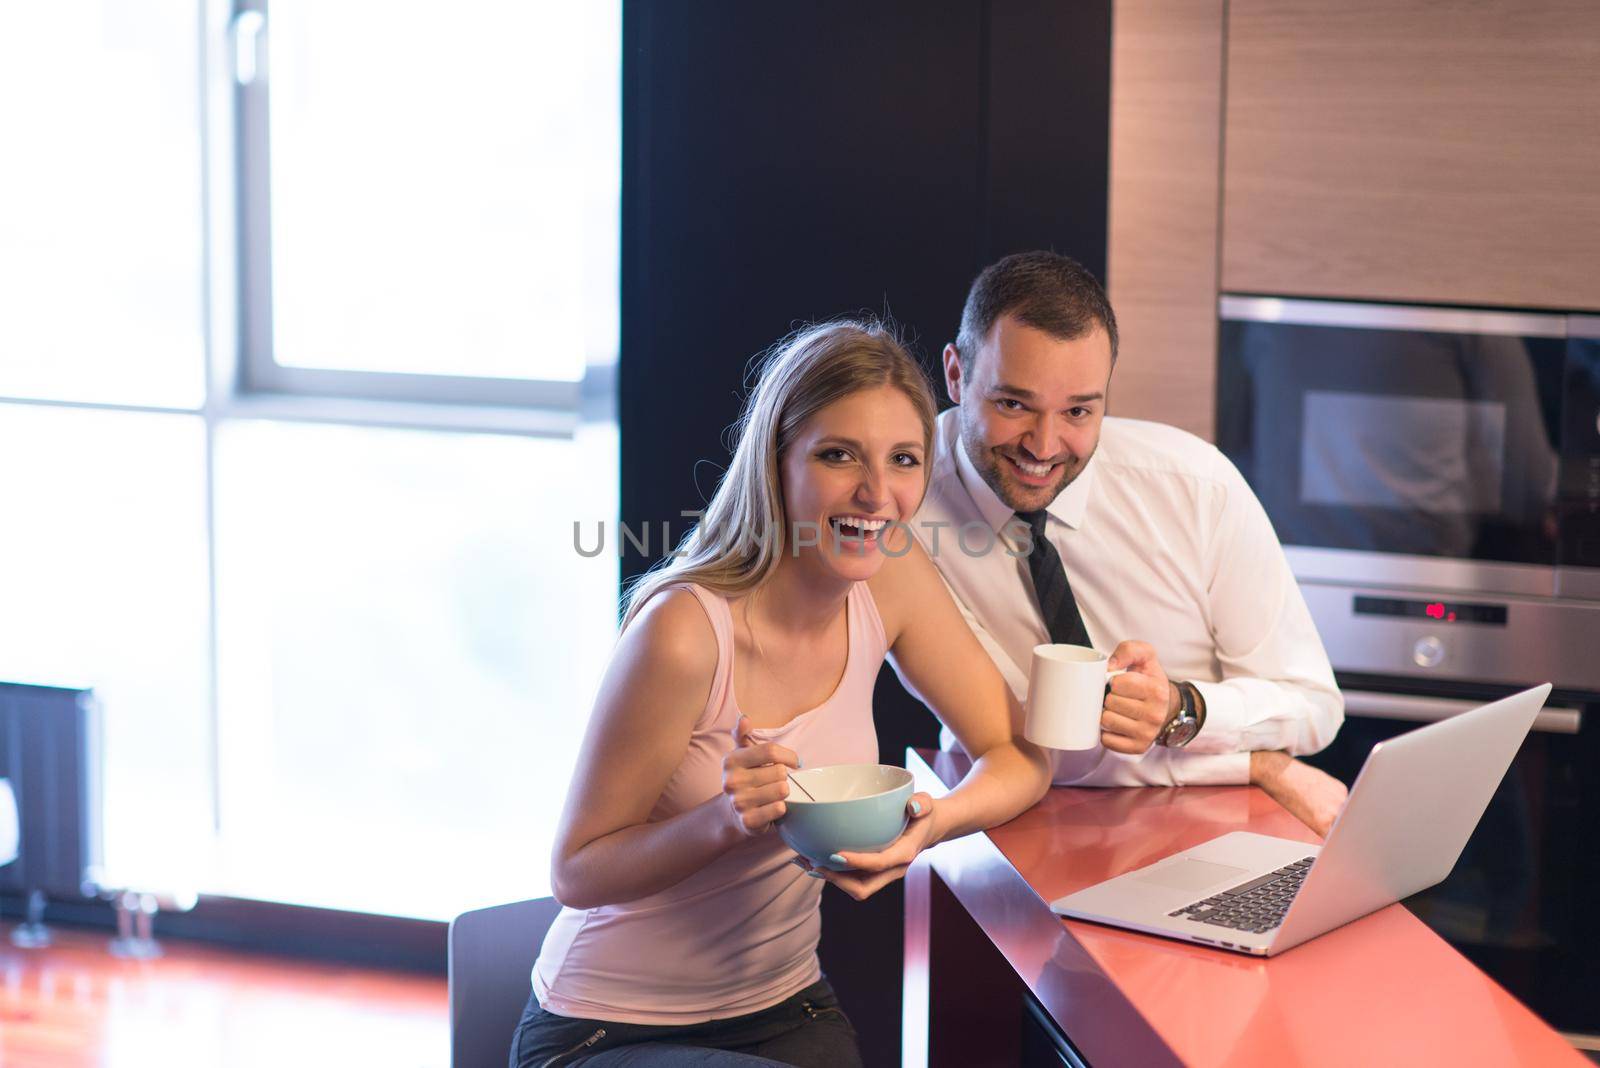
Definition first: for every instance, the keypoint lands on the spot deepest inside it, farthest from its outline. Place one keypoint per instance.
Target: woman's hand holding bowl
(870, 872)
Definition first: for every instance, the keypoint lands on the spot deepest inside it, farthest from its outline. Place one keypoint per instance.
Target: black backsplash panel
(784, 163)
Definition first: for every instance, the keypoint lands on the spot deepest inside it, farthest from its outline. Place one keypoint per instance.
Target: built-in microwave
(1434, 475)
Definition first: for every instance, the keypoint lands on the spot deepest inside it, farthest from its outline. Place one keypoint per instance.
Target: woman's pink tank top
(740, 934)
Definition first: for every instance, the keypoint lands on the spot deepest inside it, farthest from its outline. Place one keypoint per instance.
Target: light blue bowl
(859, 808)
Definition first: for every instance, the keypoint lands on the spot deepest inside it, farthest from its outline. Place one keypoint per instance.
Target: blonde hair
(741, 536)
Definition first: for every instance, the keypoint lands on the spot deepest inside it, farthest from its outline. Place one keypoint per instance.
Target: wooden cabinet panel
(1166, 127)
(1414, 150)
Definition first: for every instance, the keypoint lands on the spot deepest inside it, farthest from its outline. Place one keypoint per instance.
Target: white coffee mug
(1066, 692)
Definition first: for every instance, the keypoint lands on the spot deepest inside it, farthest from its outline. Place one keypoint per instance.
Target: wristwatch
(1180, 730)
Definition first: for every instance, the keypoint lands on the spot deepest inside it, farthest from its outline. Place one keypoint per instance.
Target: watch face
(1181, 732)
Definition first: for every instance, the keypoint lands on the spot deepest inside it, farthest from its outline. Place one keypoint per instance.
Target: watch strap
(1187, 721)
(1199, 706)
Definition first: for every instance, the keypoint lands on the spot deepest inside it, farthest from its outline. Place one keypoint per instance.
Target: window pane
(409, 645)
(100, 208)
(445, 186)
(103, 565)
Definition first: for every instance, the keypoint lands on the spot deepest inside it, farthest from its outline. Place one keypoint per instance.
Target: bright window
(101, 266)
(442, 188)
(410, 646)
(342, 639)
(104, 571)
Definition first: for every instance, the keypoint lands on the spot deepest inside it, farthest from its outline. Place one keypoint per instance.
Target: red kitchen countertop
(1381, 990)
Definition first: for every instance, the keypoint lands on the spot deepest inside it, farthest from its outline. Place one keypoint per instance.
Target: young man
(1051, 522)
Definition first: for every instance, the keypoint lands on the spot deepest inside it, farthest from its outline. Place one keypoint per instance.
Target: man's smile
(1032, 472)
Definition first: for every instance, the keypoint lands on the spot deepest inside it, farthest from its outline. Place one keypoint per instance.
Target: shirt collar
(1072, 503)
(1069, 506)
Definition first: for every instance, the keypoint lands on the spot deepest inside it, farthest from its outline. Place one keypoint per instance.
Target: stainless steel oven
(1434, 475)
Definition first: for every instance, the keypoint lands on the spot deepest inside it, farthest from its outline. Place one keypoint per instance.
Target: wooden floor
(73, 1005)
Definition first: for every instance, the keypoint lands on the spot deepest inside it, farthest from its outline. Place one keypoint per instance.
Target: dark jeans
(809, 1029)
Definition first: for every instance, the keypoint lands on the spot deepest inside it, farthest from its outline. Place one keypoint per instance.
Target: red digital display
(1443, 611)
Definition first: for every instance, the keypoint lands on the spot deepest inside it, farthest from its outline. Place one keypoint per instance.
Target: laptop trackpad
(1190, 874)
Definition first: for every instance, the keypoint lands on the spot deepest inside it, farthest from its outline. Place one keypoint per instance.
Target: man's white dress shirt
(1163, 542)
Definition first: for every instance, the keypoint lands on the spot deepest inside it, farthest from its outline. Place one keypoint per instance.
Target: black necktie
(1056, 603)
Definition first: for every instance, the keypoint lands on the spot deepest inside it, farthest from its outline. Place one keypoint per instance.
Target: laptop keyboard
(1256, 906)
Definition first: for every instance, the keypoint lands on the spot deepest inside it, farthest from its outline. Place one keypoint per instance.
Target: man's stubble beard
(988, 468)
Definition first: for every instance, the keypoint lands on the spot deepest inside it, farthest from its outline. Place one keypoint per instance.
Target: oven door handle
(1553, 719)
(1357, 315)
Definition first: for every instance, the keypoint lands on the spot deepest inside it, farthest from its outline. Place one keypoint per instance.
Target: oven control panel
(1432, 634)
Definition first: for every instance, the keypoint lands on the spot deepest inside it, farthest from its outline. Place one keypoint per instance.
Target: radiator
(50, 753)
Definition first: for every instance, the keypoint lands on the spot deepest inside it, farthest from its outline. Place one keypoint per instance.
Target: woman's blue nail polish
(834, 858)
(813, 874)
(916, 808)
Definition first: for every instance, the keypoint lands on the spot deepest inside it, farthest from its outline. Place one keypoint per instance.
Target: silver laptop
(1408, 817)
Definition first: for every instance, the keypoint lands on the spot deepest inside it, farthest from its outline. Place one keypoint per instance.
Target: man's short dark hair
(1047, 291)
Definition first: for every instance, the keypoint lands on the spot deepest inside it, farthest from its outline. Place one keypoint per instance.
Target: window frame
(261, 384)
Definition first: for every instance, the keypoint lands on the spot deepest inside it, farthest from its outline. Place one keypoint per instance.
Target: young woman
(690, 930)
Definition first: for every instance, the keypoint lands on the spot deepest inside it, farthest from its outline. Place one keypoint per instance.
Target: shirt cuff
(1209, 769)
(1225, 713)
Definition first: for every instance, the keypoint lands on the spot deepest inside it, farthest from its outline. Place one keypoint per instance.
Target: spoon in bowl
(802, 788)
